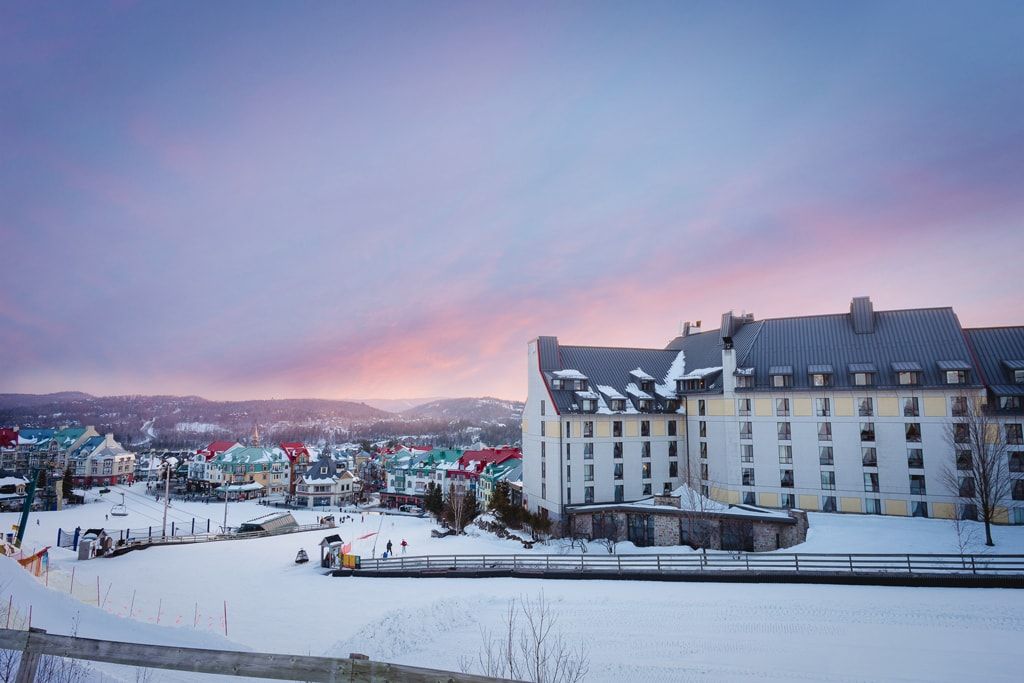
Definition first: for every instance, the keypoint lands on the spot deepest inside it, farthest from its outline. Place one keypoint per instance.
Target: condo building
(846, 412)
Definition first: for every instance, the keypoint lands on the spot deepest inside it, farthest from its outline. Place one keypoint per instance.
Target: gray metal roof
(609, 366)
(907, 366)
(997, 352)
(953, 365)
(923, 336)
(819, 369)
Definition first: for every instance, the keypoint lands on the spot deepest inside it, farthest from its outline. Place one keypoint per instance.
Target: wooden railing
(356, 668)
(716, 561)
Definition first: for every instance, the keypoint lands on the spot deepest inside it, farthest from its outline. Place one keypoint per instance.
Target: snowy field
(636, 631)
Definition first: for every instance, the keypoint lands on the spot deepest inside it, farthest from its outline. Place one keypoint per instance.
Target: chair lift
(119, 510)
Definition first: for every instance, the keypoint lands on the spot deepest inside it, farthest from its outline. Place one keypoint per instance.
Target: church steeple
(256, 436)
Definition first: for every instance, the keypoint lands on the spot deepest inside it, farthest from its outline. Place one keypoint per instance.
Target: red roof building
(8, 437)
(487, 456)
(216, 448)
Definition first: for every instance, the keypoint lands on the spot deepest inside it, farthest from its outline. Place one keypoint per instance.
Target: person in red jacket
(405, 544)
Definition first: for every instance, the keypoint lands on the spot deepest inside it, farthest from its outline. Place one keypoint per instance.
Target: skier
(389, 547)
(405, 544)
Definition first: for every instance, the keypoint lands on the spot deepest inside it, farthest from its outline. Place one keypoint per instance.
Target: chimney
(862, 314)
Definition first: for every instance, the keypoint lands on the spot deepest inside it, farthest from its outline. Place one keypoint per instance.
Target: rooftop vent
(862, 314)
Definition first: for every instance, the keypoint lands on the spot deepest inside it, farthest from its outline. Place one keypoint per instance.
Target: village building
(324, 484)
(101, 461)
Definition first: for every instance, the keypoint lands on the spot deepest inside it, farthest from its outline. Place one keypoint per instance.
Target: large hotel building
(845, 412)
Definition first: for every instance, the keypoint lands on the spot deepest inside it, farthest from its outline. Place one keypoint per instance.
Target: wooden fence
(711, 562)
(353, 669)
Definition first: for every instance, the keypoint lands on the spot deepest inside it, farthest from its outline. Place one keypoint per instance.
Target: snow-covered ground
(633, 630)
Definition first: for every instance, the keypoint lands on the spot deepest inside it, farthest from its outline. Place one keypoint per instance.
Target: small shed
(328, 548)
(274, 522)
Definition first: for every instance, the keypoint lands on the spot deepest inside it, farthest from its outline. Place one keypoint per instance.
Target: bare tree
(697, 517)
(979, 475)
(610, 533)
(530, 647)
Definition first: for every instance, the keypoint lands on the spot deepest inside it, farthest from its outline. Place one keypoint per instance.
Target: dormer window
(820, 375)
(862, 374)
(589, 405)
(954, 371)
(908, 373)
(1016, 370)
(556, 384)
(781, 375)
(617, 404)
(645, 405)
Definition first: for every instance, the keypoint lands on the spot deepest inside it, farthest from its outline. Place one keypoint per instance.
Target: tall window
(747, 453)
(702, 429)
(673, 449)
(913, 431)
(958, 406)
(702, 408)
(782, 407)
(588, 451)
(786, 479)
(825, 456)
(588, 429)
(748, 476)
(746, 430)
(617, 449)
(542, 404)
(786, 455)
(824, 431)
(588, 494)
(646, 453)
(542, 423)
(869, 456)
(915, 458)
(911, 407)
(917, 487)
(588, 473)
(867, 431)
(823, 406)
(871, 482)
(828, 480)
(673, 469)
(703, 450)
(785, 431)
(1015, 434)
(873, 506)
(645, 427)
(645, 470)
(618, 493)
(671, 427)
(568, 429)
(866, 407)
(743, 406)
(617, 470)
(617, 428)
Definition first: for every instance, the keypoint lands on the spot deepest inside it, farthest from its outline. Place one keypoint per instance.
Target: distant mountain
(25, 400)
(477, 410)
(397, 405)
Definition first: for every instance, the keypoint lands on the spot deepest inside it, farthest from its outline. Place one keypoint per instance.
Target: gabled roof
(8, 437)
(218, 447)
(998, 351)
(487, 456)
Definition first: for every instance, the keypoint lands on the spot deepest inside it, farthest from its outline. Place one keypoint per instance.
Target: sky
(388, 200)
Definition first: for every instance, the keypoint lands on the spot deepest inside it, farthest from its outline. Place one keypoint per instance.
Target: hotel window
(617, 470)
(702, 429)
(824, 431)
(825, 456)
(647, 489)
(568, 473)
(673, 469)
(788, 501)
(645, 470)
(671, 427)
(703, 470)
(958, 406)
(1018, 489)
(568, 450)
(645, 427)
(588, 473)
(828, 480)
(821, 379)
(965, 487)
(915, 458)
(588, 430)
(785, 431)
(1017, 461)
(543, 490)
(617, 428)
(542, 408)
(961, 432)
(1015, 434)
(781, 381)
(871, 482)
(824, 407)
(646, 453)
(917, 487)
(743, 406)
(556, 384)
(873, 506)
(908, 378)
(866, 407)
(542, 423)
(913, 430)
(617, 404)
(746, 430)
(911, 407)
(1009, 403)
(618, 493)
(956, 377)
(568, 429)
(782, 407)
(703, 450)
(863, 379)
(588, 494)
(744, 381)
(786, 479)
(749, 498)
(588, 451)
(869, 456)
(867, 431)
(1018, 376)
(568, 496)
(920, 509)
(786, 455)
(964, 460)
(673, 449)
(702, 408)
(748, 476)
(747, 452)
(828, 503)
(617, 449)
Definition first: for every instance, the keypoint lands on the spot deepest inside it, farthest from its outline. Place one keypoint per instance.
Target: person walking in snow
(389, 547)
(405, 544)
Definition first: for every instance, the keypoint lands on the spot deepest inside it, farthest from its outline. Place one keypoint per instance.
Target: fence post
(172, 527)
(193, 526)
(74, 541)
(207, 526)
(746, 560)
(151, 532)
(796, 562)
(658, 558)
(619, 559)
(29, 660)
(974, 570)
(910, 569)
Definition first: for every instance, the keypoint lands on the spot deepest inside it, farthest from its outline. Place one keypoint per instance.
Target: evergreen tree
(433, 501)
(69, 484)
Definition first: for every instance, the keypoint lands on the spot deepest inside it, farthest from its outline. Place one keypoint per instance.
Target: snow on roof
(611, 392)
(569, 374)
(633, 390)
(640, 374)
(591, 395)
(701, 373)
(12, 481)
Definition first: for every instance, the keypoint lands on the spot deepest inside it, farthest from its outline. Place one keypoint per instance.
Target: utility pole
(224, 485)
(167, 494)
